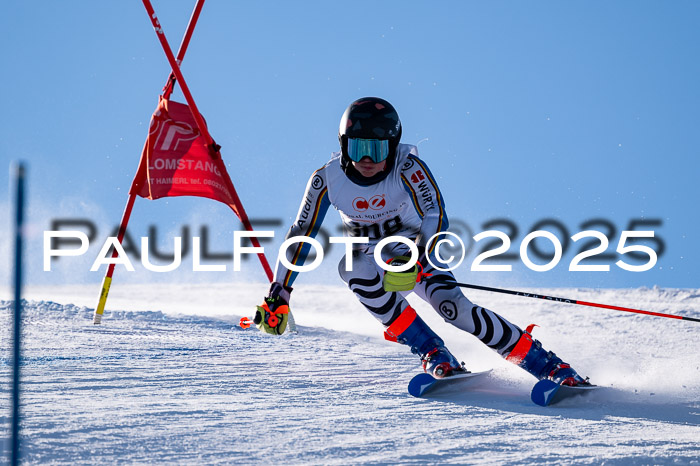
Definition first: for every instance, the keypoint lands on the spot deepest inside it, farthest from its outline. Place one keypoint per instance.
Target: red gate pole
(168, 89)
(169, 86)
(107, 281)
(213, 148)
(178, 75)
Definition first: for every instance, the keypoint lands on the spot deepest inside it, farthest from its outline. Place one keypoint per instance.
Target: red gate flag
(176, 161)
(180, 157)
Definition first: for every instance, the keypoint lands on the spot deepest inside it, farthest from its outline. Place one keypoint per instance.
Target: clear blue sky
(524, 111)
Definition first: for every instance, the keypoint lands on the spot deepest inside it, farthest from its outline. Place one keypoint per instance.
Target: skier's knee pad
(457, 310)
(448, 301)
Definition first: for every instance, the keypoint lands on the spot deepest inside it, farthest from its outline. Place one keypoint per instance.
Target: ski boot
(409, 329)
(543, 364)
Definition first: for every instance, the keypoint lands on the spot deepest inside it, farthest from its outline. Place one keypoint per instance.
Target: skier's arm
(427, 200)
(272, 315)
(312, 211)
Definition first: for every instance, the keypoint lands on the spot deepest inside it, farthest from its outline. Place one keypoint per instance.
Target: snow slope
(169, 378)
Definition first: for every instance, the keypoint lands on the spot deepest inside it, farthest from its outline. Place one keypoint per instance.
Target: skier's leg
(409, 329)
(365, 281)
(453, 306)
(494, 331)
(402, 323)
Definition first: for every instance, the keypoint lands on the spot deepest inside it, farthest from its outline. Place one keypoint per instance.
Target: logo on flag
(176, 160)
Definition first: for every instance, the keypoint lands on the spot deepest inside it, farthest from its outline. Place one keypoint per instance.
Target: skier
(382, 188)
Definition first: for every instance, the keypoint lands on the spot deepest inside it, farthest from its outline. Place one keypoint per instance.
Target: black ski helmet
(374, 119)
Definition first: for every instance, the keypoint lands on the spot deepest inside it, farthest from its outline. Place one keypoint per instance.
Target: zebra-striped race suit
(406, 203)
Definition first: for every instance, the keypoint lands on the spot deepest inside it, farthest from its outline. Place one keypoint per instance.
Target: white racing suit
(406, 203)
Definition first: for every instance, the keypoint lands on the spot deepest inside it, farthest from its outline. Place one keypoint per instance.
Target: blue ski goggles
(375, 149)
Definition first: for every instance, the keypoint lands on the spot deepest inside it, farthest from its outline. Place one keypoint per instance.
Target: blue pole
(18, 175)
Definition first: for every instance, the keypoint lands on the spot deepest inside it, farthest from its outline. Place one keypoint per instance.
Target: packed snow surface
(169, 378)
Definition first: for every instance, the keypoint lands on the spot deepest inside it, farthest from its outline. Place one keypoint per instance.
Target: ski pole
(245, 322)
(560, 300)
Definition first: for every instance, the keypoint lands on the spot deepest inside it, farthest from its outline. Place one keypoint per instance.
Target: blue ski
(545, 392)
(423, 383)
